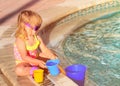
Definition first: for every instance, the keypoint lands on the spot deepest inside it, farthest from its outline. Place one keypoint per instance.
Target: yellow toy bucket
(38, 75)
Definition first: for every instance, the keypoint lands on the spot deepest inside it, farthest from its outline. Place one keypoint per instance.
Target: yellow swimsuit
(31, 51)
(34, 46)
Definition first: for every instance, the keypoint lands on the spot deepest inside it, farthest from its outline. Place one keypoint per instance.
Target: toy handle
(61, 70)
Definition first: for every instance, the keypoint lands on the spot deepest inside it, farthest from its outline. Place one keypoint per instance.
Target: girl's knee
(22, 70)
(19, 71)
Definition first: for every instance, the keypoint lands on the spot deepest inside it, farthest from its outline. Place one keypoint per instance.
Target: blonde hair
(27, 16)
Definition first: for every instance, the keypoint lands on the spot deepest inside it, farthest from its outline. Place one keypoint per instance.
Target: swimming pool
(90, 36)
(97, 45)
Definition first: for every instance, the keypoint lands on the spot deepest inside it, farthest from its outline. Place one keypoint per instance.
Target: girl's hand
(42, 64)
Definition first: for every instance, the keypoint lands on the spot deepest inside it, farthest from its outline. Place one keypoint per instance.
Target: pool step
(61, 80)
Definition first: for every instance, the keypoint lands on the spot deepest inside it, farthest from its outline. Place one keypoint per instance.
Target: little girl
(27, 43)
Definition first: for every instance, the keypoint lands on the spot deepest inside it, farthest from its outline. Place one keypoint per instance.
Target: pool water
(97, 45)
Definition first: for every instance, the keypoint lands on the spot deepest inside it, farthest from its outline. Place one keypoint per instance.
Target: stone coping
(67, 8)
(54, 30)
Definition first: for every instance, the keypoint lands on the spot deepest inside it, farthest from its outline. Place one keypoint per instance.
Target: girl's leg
(24, 69)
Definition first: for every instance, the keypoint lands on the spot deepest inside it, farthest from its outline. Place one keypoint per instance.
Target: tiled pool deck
(49, 10)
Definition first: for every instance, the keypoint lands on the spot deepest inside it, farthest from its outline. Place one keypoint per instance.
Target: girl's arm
(45, 51)
(23, 52)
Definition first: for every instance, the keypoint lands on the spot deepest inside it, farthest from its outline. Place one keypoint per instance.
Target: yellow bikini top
(34, 46)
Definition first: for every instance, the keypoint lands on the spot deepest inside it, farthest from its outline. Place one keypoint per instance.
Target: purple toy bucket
(77, 73)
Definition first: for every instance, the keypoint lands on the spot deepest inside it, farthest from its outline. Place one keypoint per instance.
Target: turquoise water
(97, 45)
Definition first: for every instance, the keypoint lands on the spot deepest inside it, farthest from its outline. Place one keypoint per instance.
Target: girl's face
(31, 30)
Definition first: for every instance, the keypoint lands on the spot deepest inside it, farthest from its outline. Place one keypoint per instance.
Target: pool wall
(61, 24)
